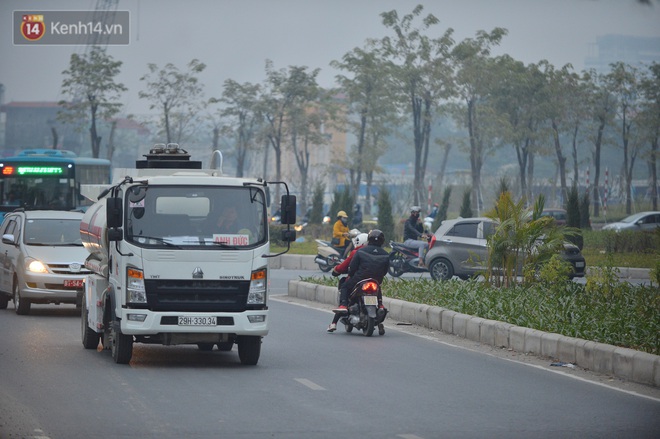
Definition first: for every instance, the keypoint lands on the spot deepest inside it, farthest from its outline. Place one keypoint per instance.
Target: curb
(627, 364)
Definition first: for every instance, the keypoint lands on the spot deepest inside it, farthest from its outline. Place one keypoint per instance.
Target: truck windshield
(205, 217)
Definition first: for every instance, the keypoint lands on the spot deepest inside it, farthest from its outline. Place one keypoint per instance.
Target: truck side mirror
(114, 212)
(288, 236)
(288, 208)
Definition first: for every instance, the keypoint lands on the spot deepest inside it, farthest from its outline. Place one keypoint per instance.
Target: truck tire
(249, 349)
(90, 338)
(4, 300)
(22, 305)
(121, 345)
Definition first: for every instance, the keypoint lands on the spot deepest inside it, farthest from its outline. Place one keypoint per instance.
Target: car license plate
(579, 264)
(73, 283)
(198, 321)
(371, 300)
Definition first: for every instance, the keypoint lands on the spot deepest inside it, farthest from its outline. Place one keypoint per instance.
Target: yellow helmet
(342, 214)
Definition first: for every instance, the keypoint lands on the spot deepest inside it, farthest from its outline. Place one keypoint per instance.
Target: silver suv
(41, 259)
(459, 248)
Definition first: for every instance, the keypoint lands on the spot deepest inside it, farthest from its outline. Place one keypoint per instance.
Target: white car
(41, 259)
(643, 221)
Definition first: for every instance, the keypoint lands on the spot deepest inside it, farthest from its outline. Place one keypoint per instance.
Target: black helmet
(376, 237)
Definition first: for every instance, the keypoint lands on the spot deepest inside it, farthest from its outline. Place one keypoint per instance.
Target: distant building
(34, 125)
(31, 124)
(636, 51)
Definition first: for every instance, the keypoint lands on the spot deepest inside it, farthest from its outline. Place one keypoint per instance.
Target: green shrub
(628, 241)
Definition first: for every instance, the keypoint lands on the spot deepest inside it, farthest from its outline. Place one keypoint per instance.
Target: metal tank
(94, 235)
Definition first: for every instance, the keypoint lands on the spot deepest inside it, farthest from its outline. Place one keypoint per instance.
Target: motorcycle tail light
(370, 286)
(432, 242)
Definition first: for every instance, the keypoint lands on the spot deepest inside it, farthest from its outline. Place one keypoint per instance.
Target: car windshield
(206, 217)
(632, 218)
(52, 232)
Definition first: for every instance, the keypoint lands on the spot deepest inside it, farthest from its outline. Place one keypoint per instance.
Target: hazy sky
(235, 37)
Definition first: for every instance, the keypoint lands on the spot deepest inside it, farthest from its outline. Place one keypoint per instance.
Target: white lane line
(307, 383)
(408, 436)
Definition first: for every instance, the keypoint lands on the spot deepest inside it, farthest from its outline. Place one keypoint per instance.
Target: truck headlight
(257, 293)
(135, 292)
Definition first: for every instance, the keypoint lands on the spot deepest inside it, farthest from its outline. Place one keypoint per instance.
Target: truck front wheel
(249, 349)
(121, 345)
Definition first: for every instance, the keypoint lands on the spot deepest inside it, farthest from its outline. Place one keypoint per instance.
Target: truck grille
(196, 295)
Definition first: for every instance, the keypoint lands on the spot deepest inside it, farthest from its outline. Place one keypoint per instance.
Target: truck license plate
(371, 300)
(75, 283)
(197, 321)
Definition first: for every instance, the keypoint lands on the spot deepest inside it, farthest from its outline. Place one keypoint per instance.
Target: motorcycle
(404, 259)
(363, 311)
(328, 256)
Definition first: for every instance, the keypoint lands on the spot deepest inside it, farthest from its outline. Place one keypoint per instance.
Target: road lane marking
(307, 383)
(409, 436)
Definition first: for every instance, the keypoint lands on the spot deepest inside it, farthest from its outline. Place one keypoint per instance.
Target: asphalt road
(407, 384)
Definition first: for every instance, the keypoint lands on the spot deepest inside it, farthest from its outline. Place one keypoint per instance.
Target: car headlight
(135, 291)
(257, 293)
(35, 266)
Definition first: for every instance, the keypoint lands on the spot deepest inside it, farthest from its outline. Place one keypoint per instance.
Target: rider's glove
(334, 273)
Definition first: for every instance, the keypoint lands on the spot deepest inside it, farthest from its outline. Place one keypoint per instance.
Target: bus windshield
(207, 217)
(48, 179)
(43, 192)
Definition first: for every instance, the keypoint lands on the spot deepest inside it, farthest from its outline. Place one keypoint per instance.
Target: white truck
(163, 271)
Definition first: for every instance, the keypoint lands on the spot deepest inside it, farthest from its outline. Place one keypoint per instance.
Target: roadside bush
(627, 241)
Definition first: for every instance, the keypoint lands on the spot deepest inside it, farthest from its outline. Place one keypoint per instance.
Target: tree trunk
(596, 155)
(530, 179)
(111, 140)
(575, 154)
(95, 139)
(443, 165)
(521, 154)
(654, 173)
(369, 175)
(53, 131)
(561, 161)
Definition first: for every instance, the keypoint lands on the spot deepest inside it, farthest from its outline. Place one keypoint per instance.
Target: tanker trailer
(167, 267)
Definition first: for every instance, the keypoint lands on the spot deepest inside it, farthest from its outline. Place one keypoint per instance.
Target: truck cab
(180, 256)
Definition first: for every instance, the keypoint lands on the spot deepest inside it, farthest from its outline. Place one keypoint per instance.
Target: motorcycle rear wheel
(369, 329)
(397, 264)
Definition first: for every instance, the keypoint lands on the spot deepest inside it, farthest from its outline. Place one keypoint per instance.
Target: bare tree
(90, 83)
(176, 94)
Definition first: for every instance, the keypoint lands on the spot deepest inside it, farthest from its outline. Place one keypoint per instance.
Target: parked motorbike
(363, 311)
(404, 259)
(328, 256)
